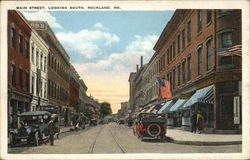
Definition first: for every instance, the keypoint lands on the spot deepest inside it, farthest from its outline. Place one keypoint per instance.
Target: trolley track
(117, 143)
(92, 146)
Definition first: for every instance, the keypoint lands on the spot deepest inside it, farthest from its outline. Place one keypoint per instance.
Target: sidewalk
(186, 137)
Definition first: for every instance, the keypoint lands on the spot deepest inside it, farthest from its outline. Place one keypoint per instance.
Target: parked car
(150, 125)
(121, 121)
(93, 122)
(34, 128)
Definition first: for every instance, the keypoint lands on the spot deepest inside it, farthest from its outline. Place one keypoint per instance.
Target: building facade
(74, 89)
(19, 97)
(38, 71)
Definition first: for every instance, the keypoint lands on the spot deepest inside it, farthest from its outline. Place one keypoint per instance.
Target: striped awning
(165, 108)
(208, 98)
(177, 105)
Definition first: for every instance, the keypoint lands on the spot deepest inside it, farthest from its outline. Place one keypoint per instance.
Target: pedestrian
(51, 132)
(193, 122)
(199, 122)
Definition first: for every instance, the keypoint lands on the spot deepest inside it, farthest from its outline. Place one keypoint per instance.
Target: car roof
(35, 113)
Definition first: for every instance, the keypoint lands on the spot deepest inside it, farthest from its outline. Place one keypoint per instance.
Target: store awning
(165, 108)
(150, 109)
(177, 105)
(208, 98)
(199, 95)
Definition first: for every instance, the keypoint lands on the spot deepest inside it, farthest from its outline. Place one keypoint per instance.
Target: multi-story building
(190, 45)
(74, 89)
(131, 90)
(82, 96)
(58, 69)
(19, 97)
(38, 71)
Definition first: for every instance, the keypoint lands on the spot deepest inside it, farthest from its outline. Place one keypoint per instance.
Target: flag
(232, 51)
(164, 88)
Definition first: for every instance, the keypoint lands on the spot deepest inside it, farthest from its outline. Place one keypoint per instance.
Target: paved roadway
(113, 138)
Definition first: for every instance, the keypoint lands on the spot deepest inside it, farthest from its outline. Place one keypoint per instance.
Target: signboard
(38, 25)
(237, 110)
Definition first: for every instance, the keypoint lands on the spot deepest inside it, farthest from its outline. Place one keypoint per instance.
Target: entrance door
(237, 110)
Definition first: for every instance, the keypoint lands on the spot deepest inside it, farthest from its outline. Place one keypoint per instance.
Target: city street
(114, 138)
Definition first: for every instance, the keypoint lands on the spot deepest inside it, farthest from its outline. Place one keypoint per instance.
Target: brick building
(189, 54)
(58, 70)
(18, 67)
(74, 87)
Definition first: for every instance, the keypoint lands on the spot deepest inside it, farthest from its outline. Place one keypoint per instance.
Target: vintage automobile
(34, 128)
(150, 125)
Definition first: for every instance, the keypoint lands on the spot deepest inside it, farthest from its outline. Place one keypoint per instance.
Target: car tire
(36, 139)
(12, 140)
(149, 132)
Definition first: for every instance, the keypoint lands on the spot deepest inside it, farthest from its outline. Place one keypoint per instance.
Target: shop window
(209, 16)
(199, 21)
(183, 38)
(226, 105)
(189, 68)
(21, 78)
(209, 55)
(199, 52)
(20, 43)
(12, 37)
(226, 39)
(13, 75)
(189, 32)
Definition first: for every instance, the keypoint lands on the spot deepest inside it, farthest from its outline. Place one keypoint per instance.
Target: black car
(34, 128)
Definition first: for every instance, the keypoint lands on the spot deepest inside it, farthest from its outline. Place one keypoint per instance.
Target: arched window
(12, 37)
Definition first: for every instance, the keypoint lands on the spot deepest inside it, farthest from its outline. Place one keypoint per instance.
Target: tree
(105, 109)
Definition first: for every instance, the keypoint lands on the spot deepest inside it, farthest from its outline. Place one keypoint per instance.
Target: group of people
(197, 122)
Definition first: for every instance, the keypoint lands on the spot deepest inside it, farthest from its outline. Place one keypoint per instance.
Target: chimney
(141, 61)
(137, 68)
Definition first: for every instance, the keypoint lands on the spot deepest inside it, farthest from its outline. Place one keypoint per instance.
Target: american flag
(235, 50)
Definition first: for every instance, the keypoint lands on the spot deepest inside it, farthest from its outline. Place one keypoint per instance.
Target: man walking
(193, 122)
(51, 132)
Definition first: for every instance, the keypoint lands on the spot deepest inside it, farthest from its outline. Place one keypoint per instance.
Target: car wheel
(36, 139)
(12, 140)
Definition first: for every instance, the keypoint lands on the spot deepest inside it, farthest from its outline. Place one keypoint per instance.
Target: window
(45, 64)
(37, 57)
(226, 39)
(41, 62)
(45, 90)
(32, 54)
(209, 56)
(189, 32)
(171, 81)
(183, 72)
(21, 78)
(174, 79)
(199, 52)
(170, 53)
(13, 75)
(12, 37)
(52, 62)
(168, 56)
(174, 49)
(37, 85)
(189, 68)
(179, 74)
(178, 43)
(183, 38)
(27, 81)
(199, 20)
(20, 44)
(27, 49)
(49, 59)
(209, 16)
(32, 85)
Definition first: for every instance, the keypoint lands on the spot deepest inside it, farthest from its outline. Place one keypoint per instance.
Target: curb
(202, 143)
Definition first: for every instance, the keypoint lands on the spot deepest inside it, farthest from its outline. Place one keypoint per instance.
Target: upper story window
(226, 39)
(222, 12)
(27, 81)
(27, 49)
(174, 79)
(20, 43)
(32, 54)
(174, 49)
(209, 55)
(168, 56)
(199, 55)
(183, 38)
(183, 72)
(37, 58)
(189, 68)
(21, 78)
(45, 64)
(179, 74)
(12, 37)
(199, 21)
(178, 43)
(170, 52)
(32, 85)
(49, 59)
(209, 15)
(13, 75)
(189, 32)
(41, 61)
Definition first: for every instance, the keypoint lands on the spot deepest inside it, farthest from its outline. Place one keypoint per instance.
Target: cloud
(43, 16)
(100, 26)
(124, 62)
(88, 43)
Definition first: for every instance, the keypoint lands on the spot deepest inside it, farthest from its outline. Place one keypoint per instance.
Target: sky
(105, 46)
